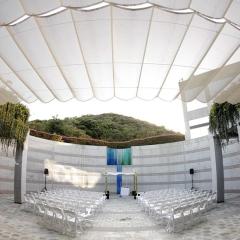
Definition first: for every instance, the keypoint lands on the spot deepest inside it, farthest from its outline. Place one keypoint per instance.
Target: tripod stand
(191, 171)
(45, 180)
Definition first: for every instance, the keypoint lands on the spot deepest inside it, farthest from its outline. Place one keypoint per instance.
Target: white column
(238, 129)
(186, 122)
(217, 167)
(24, 168)
(213, 163)
(20, 172)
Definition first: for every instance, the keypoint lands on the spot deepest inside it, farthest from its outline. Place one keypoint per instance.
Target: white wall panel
(164, 169)
(7, 163)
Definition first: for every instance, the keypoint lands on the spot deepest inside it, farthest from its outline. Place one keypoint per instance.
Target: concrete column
(217, 167)
(238, 129)
(20, 172)
(186, 122)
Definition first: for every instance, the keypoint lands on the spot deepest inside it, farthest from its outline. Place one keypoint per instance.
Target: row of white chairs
(177, 209)
(66, 211)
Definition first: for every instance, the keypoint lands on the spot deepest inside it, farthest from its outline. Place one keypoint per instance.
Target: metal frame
(135, 181)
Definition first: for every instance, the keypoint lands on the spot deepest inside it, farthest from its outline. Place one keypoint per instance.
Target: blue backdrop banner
(119, 157)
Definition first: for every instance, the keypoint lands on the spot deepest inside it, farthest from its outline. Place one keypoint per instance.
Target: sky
(168, 114)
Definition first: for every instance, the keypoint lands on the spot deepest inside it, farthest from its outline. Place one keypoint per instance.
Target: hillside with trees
(108, 127)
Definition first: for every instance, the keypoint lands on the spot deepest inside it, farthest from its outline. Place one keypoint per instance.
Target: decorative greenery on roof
(223, 121)
(13, 124)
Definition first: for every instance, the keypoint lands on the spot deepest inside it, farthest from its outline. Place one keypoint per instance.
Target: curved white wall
(7, 163)
(231, 164)
(68, 164)
(167, 165)
(157, 166)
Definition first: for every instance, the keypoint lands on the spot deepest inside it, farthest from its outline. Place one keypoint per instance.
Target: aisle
(122, 218)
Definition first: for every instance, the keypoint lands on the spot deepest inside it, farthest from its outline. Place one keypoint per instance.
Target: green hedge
(89, 141)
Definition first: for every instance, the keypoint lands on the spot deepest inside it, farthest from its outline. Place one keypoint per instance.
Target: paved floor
(122, 219)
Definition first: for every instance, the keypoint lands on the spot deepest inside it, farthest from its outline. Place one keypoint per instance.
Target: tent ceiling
(6, 96)
(52, 49)
(218, 85)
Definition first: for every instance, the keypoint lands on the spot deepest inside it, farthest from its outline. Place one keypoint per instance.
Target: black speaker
(191, 171)
(46, 171)
(134, 193)
(107, 194)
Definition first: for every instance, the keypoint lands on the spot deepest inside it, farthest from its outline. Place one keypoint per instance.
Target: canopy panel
(219, 68)
(6, 96)
(52, 49)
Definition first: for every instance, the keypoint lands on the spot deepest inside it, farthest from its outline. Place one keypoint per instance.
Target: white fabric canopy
(51, 49)
(6, 96)
(218, 85)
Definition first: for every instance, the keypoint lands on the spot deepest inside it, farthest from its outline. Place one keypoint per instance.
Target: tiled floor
(122, 219)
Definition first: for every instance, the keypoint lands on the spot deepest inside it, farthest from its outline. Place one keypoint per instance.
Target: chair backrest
(179, 211)
(40, 207)
(48, 211)
(31, 198)
(70, 215)
(26, 198)
(58, 212)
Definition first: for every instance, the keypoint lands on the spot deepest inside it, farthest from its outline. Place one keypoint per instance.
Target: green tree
(108, 126)
(223, 120)
(55, 125)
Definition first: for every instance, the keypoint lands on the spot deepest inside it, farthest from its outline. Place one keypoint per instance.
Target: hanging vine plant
(223, 121)
(13, 125)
